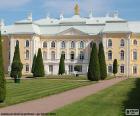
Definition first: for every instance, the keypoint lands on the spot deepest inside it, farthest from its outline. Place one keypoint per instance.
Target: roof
(134, 26)
(116, 27)
(90, 26)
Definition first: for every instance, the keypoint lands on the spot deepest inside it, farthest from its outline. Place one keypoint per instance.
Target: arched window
(81, 44)
(122, 43)
(27, 44)
(63, 53)
(110, 68)
(53, 44)
(27, 54)
(72, 56)
(45, 44)
(122, 69)
(72, 44)
(17, 42)
(27, 67)
(122, 55)
(135, 42)
(52, 55)
(134, 69)
(45, 55)
(81, 55)
(109, 43)
(134, 55)
(110, 55)
(63, 45)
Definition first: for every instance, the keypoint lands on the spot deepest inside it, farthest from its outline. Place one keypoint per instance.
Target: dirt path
(53, 102)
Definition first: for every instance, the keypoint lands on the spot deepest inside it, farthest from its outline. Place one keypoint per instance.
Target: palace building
(73, 37)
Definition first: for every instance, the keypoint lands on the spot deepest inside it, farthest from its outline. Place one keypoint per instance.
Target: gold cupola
(76, 9)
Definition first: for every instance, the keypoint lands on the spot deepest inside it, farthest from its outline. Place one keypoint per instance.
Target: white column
(77, 47)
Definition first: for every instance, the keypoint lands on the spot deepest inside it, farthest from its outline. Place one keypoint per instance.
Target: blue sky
(13, 10)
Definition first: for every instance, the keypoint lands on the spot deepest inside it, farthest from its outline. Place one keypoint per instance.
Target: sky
(14, 10)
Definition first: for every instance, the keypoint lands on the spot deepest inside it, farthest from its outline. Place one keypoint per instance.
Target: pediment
(72, 31)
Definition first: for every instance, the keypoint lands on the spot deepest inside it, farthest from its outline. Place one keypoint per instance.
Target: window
(27, 54)
(80, 68)
(109, 43)
(63, 45)
(27, 68)
(45, 44)
(81, 44)
(135, 55)
(52, 55)
(122, 43)
(72, 44)
(27, 44)
(122, 69)
(135, 42)
(110, 69)
(110, 55)
(63, 53)
(72, 55)
(51, 68)
(45, 55)
(134, 69)
(70, 68)
(53, 44)
(81, 55)
(17, 42)
(122, 55)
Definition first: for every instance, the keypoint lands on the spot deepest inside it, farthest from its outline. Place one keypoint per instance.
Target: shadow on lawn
(133, 100)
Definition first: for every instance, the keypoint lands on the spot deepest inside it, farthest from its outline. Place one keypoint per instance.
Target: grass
(66, 77)
(110, 102)
(37, 88)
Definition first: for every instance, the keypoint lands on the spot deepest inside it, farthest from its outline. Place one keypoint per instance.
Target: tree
(115, 67)
(33, 65)
(94, 69)
(102, 62)
(2, 77)
(17, 66)
(39, 66)
(61, 65)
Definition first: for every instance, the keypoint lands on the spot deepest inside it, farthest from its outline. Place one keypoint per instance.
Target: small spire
(76, 9)
(91, 14)
(29, 17)
(1, 24)
(115, 14)
(48, 16)
(61, 16)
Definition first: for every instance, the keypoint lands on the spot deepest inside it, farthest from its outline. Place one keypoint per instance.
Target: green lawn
(109, 102)
(37, 88)
(68, 77)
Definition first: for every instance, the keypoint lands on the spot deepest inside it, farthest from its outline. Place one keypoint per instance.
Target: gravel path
(53, 102)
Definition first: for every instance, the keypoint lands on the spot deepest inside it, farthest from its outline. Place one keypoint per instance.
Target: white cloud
(4, 4)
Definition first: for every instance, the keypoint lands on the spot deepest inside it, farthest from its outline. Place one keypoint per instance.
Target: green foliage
(94, 69)
(2, 77)
(61, 65)
(17, 66)
(39, 66)
(115, 67)
(102, 62)
(33, 65)
(77, 68)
